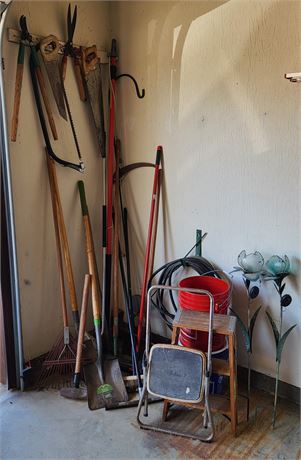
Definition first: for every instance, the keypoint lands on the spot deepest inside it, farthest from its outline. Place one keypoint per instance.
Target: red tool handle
(148, 245)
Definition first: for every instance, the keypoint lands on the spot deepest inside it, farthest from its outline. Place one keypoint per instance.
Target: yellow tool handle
(82, 324)
(17, 99)
(96, 301)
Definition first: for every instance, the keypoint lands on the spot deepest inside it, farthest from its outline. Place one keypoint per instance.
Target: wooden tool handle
(17, 99)
(49, 48)
(50, 166)
(96, 296)
(96, 301)
(153, 245)
(42, 86)
(82, 328)
(65, 247)
(90, 59)
(79, 78)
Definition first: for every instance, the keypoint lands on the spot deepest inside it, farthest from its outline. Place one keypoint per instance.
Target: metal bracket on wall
(14, 36)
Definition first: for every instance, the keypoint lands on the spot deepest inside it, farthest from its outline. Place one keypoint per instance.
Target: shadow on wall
(217, 99)
(158, 38)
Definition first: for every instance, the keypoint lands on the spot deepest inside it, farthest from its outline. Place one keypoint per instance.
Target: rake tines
(59, 365)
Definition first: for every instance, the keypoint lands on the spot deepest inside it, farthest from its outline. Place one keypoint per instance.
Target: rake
(58, 367)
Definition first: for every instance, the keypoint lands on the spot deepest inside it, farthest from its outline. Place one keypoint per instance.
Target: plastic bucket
(221, 291)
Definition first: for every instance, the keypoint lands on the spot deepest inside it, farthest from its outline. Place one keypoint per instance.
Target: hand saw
(92, 75)
(49, 48)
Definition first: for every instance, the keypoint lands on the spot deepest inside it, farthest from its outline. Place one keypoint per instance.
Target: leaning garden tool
(103, 377)
(148, 245)
(190, 370)
(77, 167)
(115, 251)
(65, 248)
(96, 292)
(39, 75)
(92, 74)
(58, 208)
(49, 48)
(110, 169)
(74, 53)
(59, 363)
(78, 392)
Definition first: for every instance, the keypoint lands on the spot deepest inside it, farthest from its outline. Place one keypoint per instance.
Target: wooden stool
(222, 324)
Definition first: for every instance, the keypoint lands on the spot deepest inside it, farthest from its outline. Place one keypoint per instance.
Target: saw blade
(49, 50)
(92, 73)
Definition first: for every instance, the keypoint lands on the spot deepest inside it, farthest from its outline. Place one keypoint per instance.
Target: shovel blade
(113, 379)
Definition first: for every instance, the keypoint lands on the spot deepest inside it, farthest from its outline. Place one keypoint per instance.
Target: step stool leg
(166, 406)
(233, 393)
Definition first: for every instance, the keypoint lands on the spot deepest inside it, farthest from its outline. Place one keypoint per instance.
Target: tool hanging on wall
(110, 170)
(49, 48)
(74, 53)
(39, 75)
(148, 245)
(92, 74)
(18, 85)
(26, 40)
(77, 167)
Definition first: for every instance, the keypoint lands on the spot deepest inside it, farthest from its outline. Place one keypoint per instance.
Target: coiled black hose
(165, 277)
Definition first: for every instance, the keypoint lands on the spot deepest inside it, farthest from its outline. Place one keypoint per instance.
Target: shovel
(104, 380)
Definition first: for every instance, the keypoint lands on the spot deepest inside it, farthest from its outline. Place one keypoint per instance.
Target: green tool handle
(82, 194)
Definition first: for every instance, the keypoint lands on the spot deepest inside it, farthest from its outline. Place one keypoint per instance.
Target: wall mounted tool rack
(14, 36)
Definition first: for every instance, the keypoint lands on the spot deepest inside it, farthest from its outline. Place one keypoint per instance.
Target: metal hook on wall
(141, 94)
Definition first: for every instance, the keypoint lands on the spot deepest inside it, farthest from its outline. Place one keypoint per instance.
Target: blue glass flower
(278, 266)
(250, 264)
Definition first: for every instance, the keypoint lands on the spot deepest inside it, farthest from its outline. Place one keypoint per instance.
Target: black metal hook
(141, 94)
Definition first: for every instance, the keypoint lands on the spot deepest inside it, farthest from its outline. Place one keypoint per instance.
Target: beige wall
(229, 122)
(41, 315)
(217, 101)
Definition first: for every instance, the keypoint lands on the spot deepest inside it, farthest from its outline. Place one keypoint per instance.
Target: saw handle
(78, 75)
(82, 327)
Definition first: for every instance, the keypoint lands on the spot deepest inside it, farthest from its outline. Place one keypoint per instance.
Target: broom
(58, 367)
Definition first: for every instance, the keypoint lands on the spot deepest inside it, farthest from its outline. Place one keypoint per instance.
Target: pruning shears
(74, 53)
(26, 40)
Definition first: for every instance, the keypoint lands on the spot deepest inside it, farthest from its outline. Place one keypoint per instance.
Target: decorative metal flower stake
(251, 266)
(277, 270)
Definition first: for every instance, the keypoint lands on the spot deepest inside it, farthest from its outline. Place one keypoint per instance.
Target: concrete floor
(43, 425)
